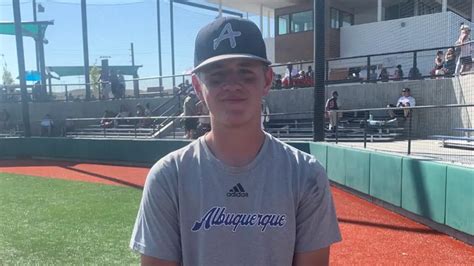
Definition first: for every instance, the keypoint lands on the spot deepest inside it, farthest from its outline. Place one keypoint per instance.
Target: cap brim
(229, 56)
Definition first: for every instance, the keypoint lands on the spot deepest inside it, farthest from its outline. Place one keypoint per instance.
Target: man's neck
(235, 147)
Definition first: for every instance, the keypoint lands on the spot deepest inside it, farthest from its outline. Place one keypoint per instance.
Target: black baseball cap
(227, 38)
(406, 89)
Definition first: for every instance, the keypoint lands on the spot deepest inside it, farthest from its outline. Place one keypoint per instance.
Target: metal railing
(350, 67)
(435, 132)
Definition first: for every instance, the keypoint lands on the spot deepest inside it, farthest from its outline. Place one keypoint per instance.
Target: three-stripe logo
(237, 191)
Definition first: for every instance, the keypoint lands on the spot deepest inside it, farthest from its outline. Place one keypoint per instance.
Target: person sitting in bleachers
(140, 113)
(398, 74)
(148, 113)
(373, 74)
(300, 79)
(406, 100)
(123, 113)
(438, 68)
(310, 73)
(277, 83)
(383, 76)
(106, 121)
(450, 62)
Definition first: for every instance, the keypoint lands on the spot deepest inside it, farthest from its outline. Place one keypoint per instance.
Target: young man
(406, 100)
(331, 107)
(236, 196)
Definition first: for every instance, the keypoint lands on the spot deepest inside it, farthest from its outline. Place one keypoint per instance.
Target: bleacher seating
(121, 131)
(466, 141)
(351, 128)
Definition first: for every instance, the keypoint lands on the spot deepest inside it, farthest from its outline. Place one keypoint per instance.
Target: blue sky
(112, 26)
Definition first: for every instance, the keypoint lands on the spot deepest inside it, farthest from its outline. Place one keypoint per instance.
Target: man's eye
(246, 71)
(215, 81)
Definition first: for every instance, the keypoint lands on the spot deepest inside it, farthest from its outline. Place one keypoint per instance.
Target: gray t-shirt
(198, 211)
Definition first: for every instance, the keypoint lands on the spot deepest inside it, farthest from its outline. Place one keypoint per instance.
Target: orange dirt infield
(371, 234)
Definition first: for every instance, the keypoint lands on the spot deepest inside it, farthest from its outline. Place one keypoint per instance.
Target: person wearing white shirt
(46, 125)
(406, 100)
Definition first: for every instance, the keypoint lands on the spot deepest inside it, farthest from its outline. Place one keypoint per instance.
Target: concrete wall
(62, 110)
(428, 31)
(420, 32)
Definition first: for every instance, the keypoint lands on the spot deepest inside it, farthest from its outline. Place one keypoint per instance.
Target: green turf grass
(59, 222)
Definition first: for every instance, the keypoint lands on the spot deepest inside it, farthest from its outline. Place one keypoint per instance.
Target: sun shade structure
(63, 71)
(35, 30)
(31, 29)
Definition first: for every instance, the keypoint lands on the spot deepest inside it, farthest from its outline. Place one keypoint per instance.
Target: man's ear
(197, 86)
(268, 80)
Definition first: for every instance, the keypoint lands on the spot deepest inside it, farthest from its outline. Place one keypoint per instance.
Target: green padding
(424, 188)
(302, 146)
(17, 147)
(460, 199)
(140, 151)
(386, 177)
(7, 147)
(320, 151)
(335, 165)
(357, 170)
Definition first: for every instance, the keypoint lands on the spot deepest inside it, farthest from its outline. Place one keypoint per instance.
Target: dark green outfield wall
(135, 151)
(440, 192)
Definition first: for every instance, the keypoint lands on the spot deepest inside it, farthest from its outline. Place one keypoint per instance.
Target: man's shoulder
(293, 154)
(172, 161)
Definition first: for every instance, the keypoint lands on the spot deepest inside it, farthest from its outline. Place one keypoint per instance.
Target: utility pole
(136, 88)
(132, 54)
(172, 42)
(319, 60)
(36, 41)
(21, 67)
(158, 25)
(85, 46)
(34, 11)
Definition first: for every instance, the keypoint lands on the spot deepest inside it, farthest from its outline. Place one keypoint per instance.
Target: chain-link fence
(441, 133)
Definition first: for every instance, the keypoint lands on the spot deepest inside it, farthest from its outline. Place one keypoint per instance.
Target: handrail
(165, 113)
(163, 104)
(411, 107)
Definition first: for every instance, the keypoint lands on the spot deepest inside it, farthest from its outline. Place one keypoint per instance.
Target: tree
(7, 76)
(94, 75)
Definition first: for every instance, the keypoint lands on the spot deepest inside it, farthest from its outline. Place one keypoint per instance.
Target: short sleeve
(316, 221)
(156, 232)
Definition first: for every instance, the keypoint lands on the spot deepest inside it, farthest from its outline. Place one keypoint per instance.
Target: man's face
(406, 93)
(233, 90)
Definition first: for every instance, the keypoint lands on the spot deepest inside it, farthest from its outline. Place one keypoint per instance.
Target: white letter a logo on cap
(227, 33)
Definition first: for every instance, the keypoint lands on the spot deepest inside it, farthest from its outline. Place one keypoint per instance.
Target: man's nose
(232, 81)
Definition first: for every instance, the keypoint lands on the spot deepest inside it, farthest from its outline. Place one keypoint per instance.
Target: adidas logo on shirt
(237, 191)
